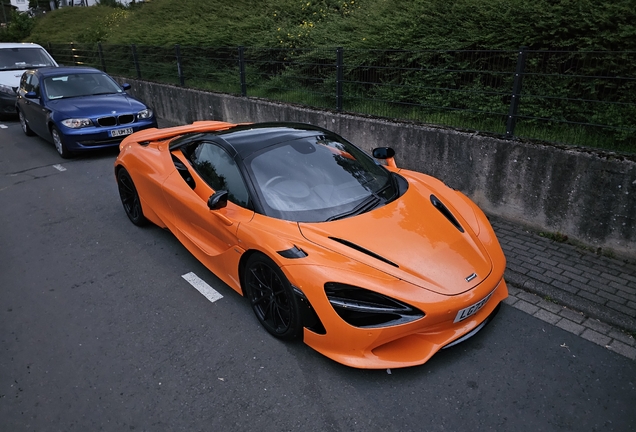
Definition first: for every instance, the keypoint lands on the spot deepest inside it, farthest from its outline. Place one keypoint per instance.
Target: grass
(556, 237)
(454, 66)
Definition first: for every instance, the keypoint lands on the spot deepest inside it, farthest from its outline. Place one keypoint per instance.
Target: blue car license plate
(121, 132)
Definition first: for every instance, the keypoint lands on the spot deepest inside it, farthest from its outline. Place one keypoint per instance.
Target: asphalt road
(99, 331)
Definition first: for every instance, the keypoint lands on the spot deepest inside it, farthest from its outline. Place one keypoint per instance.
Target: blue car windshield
(23, 58)
(79, 84)
(317, 179)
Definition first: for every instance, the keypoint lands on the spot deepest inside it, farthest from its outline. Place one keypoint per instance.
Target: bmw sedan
(79, 109)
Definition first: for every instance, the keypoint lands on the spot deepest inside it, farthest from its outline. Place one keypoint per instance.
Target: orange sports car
(372, 265)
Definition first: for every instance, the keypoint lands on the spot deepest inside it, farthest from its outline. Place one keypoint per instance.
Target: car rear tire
(23, 123)
(130, 198)
(59, 144)
(272, 298)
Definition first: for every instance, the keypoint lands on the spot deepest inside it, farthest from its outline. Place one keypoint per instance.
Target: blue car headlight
(144, 114)
(77, 123)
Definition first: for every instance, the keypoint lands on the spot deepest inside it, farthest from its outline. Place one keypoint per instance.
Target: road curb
(574, 322)
(589, 308)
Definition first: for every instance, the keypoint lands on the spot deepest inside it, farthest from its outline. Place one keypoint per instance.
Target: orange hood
(411, 240)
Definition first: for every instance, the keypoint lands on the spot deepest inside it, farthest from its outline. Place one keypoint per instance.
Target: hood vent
(446, 212)
(363, 250)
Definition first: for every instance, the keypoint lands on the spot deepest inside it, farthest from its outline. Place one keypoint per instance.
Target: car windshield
(79, 84)
(318, 178)
(23, 58)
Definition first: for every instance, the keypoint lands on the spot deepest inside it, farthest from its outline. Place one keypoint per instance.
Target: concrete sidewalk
(580, 291)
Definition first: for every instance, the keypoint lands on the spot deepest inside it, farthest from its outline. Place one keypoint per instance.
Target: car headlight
(144, 114)
(77, 123)
(7, 89)
(363, 308)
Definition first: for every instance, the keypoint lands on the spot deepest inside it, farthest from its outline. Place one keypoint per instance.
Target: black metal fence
(571, 97)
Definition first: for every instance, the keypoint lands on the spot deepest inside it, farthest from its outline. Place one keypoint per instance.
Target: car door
(211, 235)
(33, 109)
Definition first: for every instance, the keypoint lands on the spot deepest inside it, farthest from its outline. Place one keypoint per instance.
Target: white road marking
(59, 168)
(202, 287)
(4, 126)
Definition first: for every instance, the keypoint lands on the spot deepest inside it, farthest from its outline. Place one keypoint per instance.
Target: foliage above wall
(408, 24)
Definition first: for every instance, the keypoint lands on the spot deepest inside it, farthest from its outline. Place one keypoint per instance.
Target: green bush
(19, 27)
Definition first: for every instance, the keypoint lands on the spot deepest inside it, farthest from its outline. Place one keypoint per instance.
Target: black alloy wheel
(130, 198)
(272, 298)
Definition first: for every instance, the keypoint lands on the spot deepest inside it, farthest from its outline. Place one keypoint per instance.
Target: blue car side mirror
(125, 86)
(31, 95)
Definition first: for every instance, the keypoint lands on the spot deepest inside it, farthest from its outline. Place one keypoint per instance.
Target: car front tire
(59, 144)
(272, 298)
(130, 198)
(23, 123)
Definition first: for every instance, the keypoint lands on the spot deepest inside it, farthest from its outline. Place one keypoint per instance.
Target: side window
(35, 85)
(23, 82)
(219, 171)
(27, 82)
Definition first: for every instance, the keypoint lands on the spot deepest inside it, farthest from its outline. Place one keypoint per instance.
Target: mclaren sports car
(371, 265)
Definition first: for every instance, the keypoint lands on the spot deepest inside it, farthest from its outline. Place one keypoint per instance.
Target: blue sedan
(79, 109)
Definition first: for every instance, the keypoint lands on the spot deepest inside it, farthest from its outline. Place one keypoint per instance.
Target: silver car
(15, 58)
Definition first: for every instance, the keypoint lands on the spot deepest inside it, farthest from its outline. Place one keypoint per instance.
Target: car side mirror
(31, 95)
(126, 86)
(218, 200)
(383, 152)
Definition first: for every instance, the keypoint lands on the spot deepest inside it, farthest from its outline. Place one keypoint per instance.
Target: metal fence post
(177, 53)
(101, 56)
(73, 54)
(516, 93)
(339, 77)
(241, 53)
(135, 60)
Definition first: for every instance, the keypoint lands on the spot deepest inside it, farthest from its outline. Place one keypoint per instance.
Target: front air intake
(446, 212)
(363, 250)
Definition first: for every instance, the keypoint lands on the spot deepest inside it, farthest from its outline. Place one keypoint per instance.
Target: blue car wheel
(59, 144)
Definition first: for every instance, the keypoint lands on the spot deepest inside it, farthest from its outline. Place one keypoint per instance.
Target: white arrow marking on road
(202, 287)
(4, 126)
(59, 167)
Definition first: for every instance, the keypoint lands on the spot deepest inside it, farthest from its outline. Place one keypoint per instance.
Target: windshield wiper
(367, 204)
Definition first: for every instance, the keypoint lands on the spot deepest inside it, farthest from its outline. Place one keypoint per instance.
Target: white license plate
(473, 309)
(121, 132)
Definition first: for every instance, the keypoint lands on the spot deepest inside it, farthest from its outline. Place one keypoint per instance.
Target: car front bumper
(92, 138)
(402, 345)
